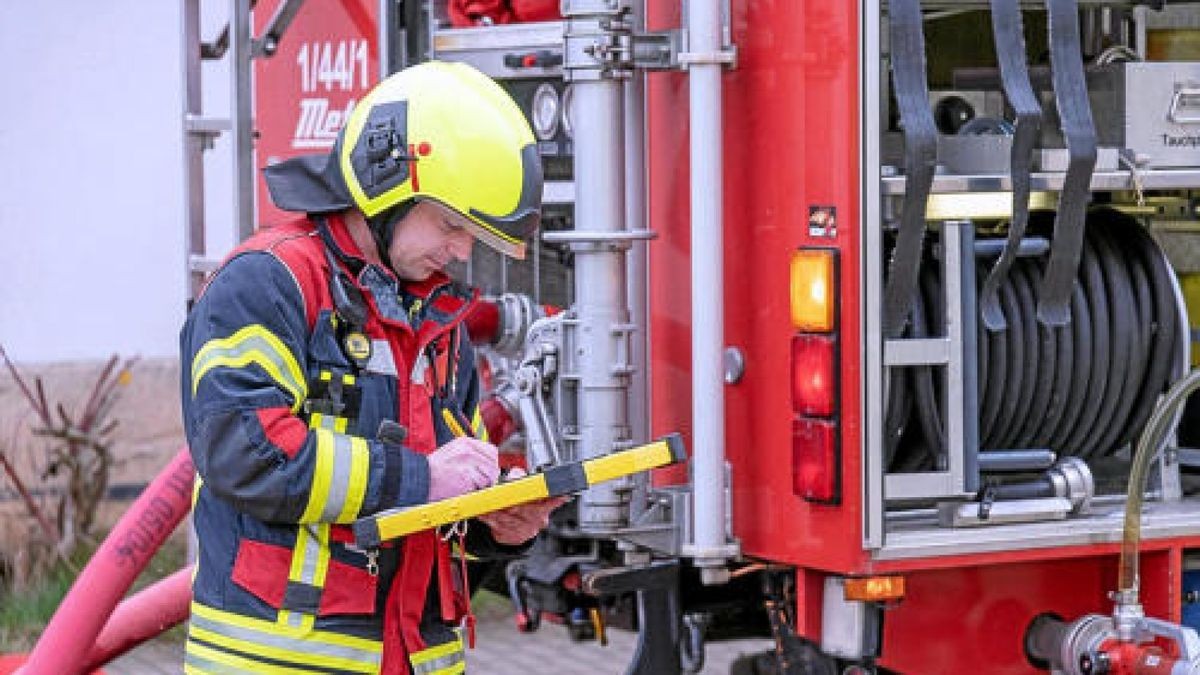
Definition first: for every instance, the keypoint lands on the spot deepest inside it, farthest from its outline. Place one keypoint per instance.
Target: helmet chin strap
(383, 226)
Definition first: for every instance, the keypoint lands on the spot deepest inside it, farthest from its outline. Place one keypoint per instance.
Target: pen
(452, 424)
(456, 428)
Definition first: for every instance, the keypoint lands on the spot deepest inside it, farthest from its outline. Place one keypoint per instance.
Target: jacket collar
(445, 301)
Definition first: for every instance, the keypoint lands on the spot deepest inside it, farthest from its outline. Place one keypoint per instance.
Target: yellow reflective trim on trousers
(256, 631)
(242, 654)
(356, 490)
(477, 425)
(447, 658)
(455, 668)
(202, 659)
(253, 344)
(318, 494)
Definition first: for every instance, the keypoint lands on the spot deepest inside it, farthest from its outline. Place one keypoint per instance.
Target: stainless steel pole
(601, 311)
(637, 262)
(708, 289)
(243, 118)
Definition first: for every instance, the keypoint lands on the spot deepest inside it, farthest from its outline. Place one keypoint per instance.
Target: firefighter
(320, 363)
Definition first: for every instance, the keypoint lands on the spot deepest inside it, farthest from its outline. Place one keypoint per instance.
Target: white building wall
(92, 248)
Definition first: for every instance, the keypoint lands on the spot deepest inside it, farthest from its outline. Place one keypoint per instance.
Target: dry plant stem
(82, 450)
(39, 406)
(47, 527)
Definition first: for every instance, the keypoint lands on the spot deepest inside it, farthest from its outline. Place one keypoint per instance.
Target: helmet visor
(507, 233)
(513, 248)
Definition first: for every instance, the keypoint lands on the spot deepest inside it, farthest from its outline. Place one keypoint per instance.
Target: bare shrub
(62, 495)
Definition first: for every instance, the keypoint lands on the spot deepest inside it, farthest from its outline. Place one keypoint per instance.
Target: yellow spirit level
(559, 480)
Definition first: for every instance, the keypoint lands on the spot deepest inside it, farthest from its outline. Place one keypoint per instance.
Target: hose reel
(1080, 390)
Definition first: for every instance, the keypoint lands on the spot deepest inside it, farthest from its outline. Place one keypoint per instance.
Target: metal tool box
(1151, 109)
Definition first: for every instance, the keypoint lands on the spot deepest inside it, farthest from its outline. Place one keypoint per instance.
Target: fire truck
(912, 278)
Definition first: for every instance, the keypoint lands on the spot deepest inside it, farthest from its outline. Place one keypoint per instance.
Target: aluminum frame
(911, 534)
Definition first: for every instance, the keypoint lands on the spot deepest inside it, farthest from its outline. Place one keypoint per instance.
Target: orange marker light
(874, 589)
(814, 290)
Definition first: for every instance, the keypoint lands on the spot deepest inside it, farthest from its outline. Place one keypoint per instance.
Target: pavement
(499, 650)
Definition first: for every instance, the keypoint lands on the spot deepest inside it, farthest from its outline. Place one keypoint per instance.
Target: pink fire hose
(69, 643)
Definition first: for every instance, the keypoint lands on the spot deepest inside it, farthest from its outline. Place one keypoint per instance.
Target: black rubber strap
(566, 479)
(366, 533)
(920, 159)
(301, 597)
(1070, 93)
(1009, 34)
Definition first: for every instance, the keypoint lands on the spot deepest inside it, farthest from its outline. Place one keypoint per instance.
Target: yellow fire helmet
(438, 131)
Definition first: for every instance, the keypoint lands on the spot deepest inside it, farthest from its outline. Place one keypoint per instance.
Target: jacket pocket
(262, 570)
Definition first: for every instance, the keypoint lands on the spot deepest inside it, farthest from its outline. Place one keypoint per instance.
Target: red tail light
(814, 383)
(816, 442)
(816, 464)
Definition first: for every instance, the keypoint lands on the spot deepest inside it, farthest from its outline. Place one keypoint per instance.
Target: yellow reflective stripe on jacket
(319, 421)
(253, 344)
(448, 658)
(310, 563)
(322, 421)
(478, 428)
(199, 658)
(347, 378)
(339, 481)
(356, 486)
(257, 637)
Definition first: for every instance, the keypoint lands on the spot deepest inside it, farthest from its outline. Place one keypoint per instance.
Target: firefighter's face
(430, 237)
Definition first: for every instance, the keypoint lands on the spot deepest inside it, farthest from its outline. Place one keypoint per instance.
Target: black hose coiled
(1085, 389)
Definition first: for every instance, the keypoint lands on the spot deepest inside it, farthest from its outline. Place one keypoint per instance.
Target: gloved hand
(518, 524)
(460, 466)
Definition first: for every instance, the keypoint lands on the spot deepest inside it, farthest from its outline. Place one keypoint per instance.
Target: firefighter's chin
(432, 266)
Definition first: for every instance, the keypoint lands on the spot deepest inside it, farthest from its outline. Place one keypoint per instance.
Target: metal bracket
(657, 587)
(665, 524)
(582, 241)
(261, 47)
(727, 57)
(539, 367)
(605, 45)
(657, 50)
(597, 41)
(277, 25)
